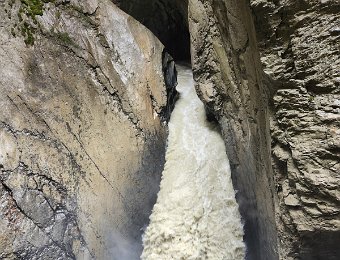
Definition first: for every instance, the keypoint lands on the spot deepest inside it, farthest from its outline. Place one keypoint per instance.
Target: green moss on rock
(30, 8)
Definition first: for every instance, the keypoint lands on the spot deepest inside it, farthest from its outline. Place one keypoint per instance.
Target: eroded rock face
(228, 74)
(299, 45)
(299, 42)
(81, 139)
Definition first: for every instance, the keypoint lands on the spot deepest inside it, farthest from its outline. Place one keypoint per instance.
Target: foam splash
(196, 215)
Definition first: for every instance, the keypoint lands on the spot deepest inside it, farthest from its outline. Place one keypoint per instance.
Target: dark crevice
(166, 19)
(170, 78)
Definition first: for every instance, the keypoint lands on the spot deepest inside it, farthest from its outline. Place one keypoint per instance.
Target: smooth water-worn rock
(81, 137)
(299, 42)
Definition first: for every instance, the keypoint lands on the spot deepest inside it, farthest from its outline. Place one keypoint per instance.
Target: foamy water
(196, 215)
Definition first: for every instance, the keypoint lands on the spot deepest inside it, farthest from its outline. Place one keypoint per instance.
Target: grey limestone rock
(280, 118)
(300, 53)
(81, 136)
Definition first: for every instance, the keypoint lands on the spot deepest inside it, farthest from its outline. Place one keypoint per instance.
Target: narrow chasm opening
(196, 206)
(166, 19)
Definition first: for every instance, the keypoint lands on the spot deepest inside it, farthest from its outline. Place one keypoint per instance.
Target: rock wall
(298, 94)
(81, 137)
(300, 53)
(228, 75)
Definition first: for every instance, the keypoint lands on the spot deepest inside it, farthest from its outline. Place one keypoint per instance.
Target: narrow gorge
(196, 215)
(110, 149)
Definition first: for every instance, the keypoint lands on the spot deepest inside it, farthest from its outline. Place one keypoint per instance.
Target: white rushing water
(196, 215)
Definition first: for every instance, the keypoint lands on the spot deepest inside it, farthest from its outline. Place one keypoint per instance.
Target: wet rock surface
(82, 141)
(227, 71)
(170, 77)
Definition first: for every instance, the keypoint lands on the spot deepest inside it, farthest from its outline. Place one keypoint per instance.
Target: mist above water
(196, 215)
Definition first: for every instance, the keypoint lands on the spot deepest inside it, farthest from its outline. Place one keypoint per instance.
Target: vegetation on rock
(28, 11)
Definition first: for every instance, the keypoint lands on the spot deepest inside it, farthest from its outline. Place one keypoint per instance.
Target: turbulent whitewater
(196, 215)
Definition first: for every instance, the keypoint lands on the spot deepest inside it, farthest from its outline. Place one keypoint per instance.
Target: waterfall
(196, 215)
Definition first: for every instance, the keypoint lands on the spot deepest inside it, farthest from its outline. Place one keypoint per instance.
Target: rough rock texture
(228, 73)
(300, 52)
(81, 139)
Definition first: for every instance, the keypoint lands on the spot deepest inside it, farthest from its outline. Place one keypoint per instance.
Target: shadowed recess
(167, 19)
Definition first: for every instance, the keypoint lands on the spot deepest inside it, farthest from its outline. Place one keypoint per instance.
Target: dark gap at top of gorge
(166, 19)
